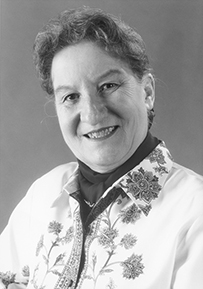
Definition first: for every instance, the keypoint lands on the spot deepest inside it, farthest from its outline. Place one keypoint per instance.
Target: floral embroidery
(145, 209)
(128, 241)
(111, 284)
(143, 185)
(40, 245)
(52, 265)
(55, 227)
(7, 278)
(69, 275)
(26, 271)
(130, 214)
(68, 236)
(33, 281)
(108, 237)
(156, 156)
(10, 278)
(132, 267)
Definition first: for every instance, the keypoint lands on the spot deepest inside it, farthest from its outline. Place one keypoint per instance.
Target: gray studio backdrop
(31, 143)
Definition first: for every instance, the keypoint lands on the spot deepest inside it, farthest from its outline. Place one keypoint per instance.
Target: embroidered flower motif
(132, 267)
(7, 278)
(56, 272)
(143, 185)
(128, 241)
(111, 284)
(94, 260)
(132, 189)
(69, 236)
(157, 156)
(26, 271)
(107, 237)
(138, 177)
(10, 278)
(111, 239)
(59, 259)
(130, 215)
(145, 209)
(50, 259)
(55, 227)
(34, 279)
(40, 245)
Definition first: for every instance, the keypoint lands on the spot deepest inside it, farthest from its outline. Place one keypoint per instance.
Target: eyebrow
(62, 88)
(109, 73)
(104, 75)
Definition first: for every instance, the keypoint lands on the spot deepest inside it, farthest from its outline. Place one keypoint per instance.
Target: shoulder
(185, 188)
(59, 174)
(48, 187)
(185, 177)
(55, 179)
(41, 194)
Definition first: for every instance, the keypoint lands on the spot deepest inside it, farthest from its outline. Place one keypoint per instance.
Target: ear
(149, 90)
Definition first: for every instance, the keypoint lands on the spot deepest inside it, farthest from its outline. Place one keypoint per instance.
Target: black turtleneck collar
(93, 184)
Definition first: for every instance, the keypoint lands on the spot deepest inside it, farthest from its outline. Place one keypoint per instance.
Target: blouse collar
(143, 184)
(93, 184)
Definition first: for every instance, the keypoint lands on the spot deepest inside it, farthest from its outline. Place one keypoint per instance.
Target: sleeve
(189, 273)
(14, 246)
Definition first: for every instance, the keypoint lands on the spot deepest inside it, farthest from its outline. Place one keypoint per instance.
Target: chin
(103, 165)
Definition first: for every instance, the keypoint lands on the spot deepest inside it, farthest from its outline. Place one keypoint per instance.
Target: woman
(124, 214)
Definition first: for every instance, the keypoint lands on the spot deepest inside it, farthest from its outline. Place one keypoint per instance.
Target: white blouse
(150, 237)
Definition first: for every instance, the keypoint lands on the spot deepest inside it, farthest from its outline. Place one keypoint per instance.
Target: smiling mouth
(102, 133)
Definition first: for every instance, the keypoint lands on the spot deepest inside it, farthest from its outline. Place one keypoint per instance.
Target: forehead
(85, 59)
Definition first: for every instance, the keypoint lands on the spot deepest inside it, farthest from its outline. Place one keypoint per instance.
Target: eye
(108, 87)
(73, 97)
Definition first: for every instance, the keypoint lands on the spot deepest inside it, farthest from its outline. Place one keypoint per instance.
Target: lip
(104, 132)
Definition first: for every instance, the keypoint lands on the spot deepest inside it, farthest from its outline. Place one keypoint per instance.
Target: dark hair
(72, 26)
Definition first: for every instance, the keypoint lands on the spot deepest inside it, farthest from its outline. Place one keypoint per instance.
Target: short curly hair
(108, 32)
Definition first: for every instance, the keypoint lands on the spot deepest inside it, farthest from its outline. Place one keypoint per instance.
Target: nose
(93, 110)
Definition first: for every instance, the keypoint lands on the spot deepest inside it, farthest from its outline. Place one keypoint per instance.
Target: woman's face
(101, 105)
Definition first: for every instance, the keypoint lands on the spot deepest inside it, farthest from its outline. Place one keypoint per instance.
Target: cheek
(130, 98)
(65, 122)
(137, 117)
(69, 129)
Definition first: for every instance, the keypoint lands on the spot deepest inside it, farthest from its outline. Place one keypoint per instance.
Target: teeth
(101, 133)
